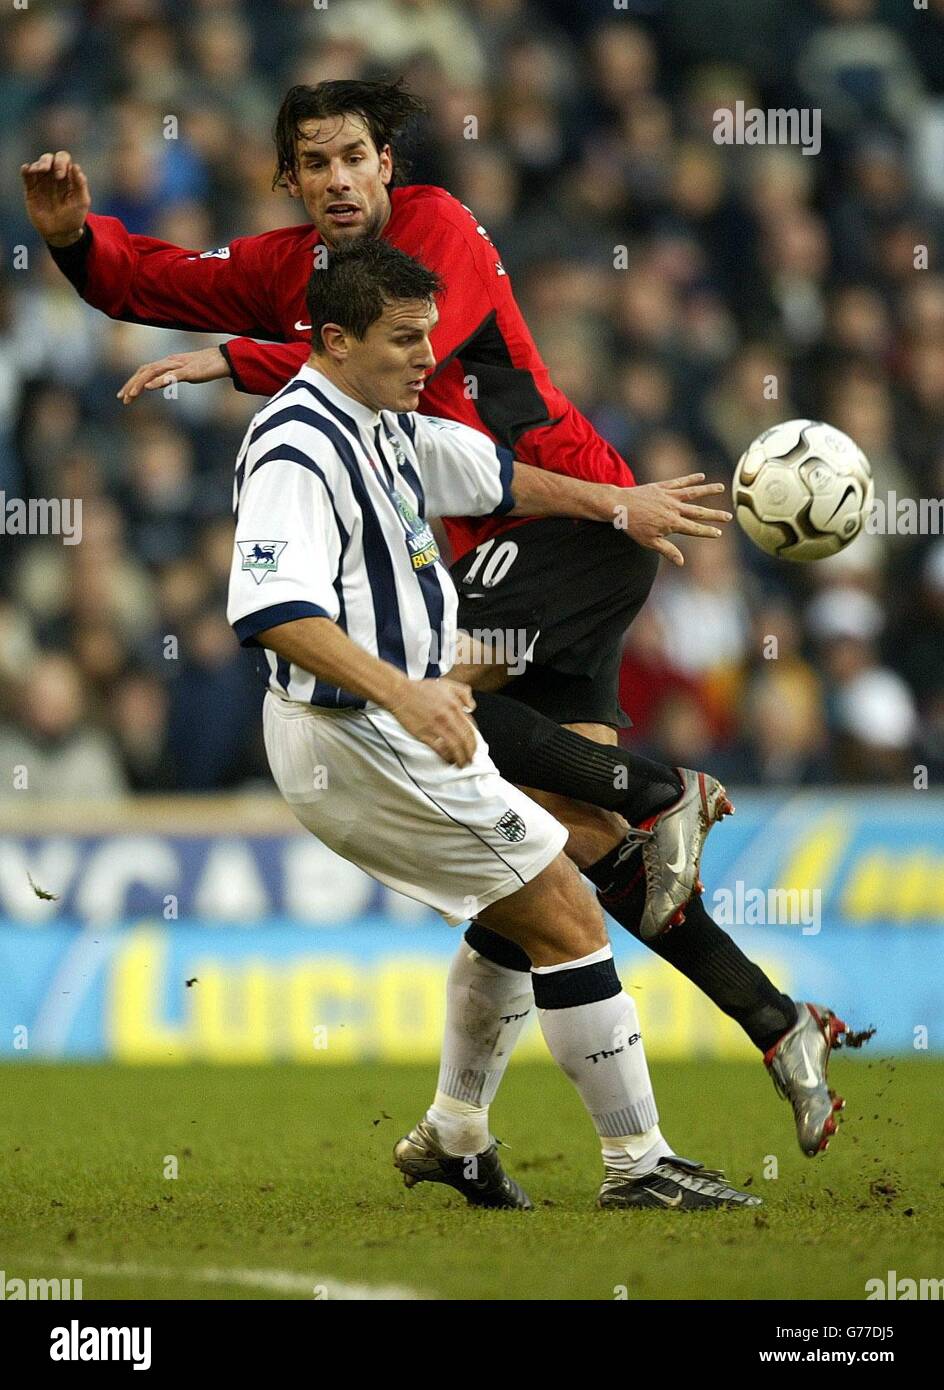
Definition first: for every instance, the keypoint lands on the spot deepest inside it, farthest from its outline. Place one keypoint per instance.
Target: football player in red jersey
(571, 588)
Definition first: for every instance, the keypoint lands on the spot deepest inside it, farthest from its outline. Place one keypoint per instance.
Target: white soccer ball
(802, 490)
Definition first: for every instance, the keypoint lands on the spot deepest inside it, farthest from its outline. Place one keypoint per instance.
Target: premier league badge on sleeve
(261, 557)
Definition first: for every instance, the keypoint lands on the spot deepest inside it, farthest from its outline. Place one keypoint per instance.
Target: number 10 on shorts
(494, 561)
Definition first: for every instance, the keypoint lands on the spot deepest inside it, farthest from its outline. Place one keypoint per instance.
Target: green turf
(287, 1168)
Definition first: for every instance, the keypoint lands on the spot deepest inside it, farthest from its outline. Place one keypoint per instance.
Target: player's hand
(206, 364)
(57, 197)
(654, 511)
(437, 713)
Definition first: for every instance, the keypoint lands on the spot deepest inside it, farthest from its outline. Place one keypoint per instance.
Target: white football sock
(599, 1046)
(635, 1154)
(487, 1005)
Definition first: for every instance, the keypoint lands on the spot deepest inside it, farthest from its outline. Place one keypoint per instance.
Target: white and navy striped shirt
(331, 502)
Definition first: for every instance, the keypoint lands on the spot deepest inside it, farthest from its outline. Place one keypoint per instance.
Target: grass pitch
(285, 1186)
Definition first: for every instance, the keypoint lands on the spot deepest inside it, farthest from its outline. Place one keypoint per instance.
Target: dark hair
(359, 281)
(386, 108)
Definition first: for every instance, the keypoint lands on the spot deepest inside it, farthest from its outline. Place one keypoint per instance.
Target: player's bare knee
(553, 918)
(567, 916)
(586, 913)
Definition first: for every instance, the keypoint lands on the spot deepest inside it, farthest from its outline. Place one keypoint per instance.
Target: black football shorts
(559, 594)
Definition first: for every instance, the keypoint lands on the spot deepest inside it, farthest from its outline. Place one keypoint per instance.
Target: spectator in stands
(48, 749)
(687, 294)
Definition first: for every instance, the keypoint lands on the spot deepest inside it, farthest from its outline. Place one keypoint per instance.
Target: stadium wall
(216, 930)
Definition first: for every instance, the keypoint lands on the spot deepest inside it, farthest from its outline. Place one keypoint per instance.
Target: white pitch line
(275, 1280)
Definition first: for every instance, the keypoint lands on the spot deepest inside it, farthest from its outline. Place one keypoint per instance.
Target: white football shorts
(456, 838)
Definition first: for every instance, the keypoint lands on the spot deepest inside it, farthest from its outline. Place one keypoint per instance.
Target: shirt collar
(361, 414)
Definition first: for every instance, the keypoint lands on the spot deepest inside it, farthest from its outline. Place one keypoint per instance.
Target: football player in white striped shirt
(336, 577)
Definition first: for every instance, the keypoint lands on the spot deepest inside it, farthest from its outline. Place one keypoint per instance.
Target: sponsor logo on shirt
(220, 254)
(420, 541)
(427, 556)
(261, 557)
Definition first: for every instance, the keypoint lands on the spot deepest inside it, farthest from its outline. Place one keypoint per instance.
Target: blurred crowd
(686, 295)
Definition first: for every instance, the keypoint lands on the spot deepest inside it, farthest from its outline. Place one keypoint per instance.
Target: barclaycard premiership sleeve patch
(261, 557)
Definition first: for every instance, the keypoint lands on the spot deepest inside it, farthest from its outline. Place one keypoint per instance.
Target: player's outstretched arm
(465, 474)
(206, 364)
(260, 369)
(649, 513)
(434, 711)
(141, 278)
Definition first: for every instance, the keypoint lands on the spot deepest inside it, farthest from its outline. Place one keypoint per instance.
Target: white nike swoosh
(677, 864)
(529, 654)
(811, 1079)
(301, 327)
(675, 1201)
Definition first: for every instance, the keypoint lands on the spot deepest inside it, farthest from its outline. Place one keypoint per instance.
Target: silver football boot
(479, 1177)
(676, 1183)
(671, 843)
(797, 1065)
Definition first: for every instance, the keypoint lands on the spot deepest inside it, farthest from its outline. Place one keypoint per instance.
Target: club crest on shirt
(511, 827)
(261, 557)
(397, 448)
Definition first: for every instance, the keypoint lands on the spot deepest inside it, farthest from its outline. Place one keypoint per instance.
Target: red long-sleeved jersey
(489, 374)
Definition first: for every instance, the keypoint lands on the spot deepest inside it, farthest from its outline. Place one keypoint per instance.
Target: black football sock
(697, 947)
(532, 751)
(710, 958)
(704, 953)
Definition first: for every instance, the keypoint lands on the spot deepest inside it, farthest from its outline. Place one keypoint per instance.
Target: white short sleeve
(463, 472)
(287, 551)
